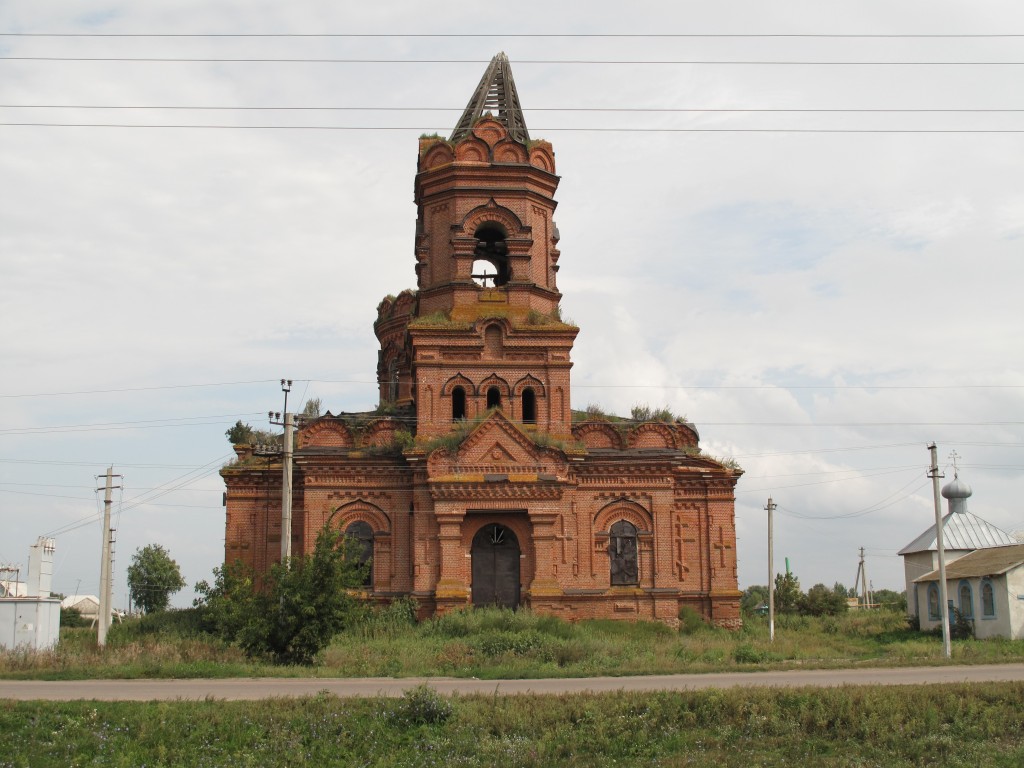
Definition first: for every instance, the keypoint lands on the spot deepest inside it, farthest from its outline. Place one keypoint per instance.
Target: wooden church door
(495, 557)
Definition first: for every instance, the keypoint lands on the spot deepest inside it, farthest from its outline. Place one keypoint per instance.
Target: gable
(496, 445)
(496, 441)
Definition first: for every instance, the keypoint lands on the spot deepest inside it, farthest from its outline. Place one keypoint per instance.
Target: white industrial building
(29, 617)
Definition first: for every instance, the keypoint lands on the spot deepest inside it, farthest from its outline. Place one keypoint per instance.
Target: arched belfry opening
(493, 397)
(490, 259)
(529, 398)
(458, 404)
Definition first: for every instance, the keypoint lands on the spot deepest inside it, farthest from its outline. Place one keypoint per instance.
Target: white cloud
(755, 265)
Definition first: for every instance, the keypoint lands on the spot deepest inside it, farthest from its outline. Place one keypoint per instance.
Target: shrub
(690, 620)
(72, 617)
(745, 653)
(422, 705)
(303, 605)
(962, 628)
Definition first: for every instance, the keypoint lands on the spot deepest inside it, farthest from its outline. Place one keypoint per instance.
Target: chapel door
(495, 557)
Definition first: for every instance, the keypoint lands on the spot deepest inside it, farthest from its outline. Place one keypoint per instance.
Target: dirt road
(260, 688)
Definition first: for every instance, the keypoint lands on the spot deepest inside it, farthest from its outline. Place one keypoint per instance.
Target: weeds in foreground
(492, 644)
(948, 725)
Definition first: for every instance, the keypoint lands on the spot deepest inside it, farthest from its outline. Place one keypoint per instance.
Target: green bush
(422, 705)
(745, 653)
(301, 607)
(690, 621)
(175, 623)
(72, 618)
(514, 643)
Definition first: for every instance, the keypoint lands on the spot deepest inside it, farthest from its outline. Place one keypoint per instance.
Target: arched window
(361, 532)
(622, 550)
(933, 602)
(458, 404)
(965, 600)
(529, 406)
(493, 397)
(988, 600)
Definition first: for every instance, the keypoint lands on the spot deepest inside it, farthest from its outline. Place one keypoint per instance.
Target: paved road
(261, 688)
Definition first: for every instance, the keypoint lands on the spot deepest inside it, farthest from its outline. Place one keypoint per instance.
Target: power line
(519, 35)
(142, 424)
(538, 130)
(522, 62)
(92, 463)
(138, 389)
(766, 387)
(878, 506)
(645, 110)
(825, 482)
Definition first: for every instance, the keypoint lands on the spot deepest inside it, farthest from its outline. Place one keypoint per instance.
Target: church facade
(474, 482)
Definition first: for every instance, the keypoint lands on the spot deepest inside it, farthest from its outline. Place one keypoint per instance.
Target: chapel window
(933, 603)
(988, 600)
(529, 406)
(623, 552)
(493, 397)
(966, 601)
(362, 534)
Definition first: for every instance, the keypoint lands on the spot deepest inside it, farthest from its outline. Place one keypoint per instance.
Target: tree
(787, 593)
(152, 578)
(753, 597)
(890, 599)
(246, 434)
(822, 601)
(301, 606)
(311, 410)
(240, 434)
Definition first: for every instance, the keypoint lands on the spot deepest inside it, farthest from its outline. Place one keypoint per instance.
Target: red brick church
(474, 482)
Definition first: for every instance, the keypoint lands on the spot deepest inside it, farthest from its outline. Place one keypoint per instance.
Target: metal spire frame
(496, 94)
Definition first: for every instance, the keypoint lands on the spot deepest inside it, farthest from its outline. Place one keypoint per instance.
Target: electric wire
(138, 389)
(641, 110)
(519, 62)
(893, 498)
(181, 481)
(599, 385)
(520, 35)
(421, 129)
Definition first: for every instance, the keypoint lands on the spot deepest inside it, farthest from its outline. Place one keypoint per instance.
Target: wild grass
(492, 644)
(940, 725)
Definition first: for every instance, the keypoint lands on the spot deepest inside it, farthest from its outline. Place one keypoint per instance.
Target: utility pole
(106, 562)
(286, 480)
(771, 574)
(862, 577)
(933, 473)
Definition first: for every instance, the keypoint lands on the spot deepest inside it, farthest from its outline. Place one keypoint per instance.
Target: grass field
(955, 725)
(504, 644)
(940, 725)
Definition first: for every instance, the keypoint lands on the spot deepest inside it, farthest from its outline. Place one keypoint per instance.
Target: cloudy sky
(800, 224)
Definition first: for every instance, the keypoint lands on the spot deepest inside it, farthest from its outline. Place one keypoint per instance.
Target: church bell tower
(483, 328)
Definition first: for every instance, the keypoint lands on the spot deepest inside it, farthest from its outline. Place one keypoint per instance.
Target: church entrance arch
(495, 557)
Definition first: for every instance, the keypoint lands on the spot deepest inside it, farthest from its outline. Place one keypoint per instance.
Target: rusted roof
(497, 95)
(992, 561)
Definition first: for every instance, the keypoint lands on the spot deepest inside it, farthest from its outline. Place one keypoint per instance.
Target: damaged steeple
(496, 94)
